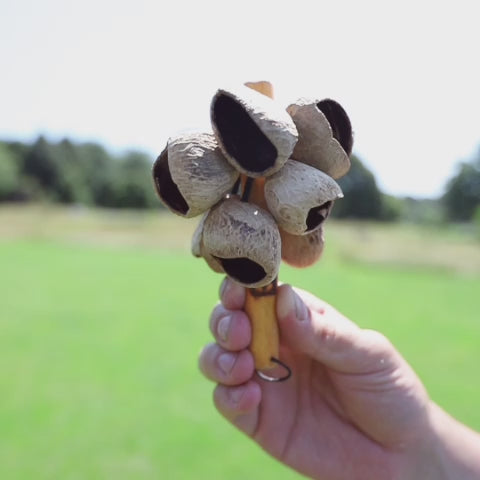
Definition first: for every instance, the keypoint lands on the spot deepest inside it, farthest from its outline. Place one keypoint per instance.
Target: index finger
(232, 295)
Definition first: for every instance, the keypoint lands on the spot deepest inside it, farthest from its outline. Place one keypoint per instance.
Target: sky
(130, 74)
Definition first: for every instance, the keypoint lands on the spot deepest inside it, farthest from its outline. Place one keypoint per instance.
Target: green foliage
(99, 169)
(476, 221)
(70, 173)
(425, 211)
(134, 189)
(9, 174)
(392, 208)
(362, 197)
(86, 173)
(462, 196)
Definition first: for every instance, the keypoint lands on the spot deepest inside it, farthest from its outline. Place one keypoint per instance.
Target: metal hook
(268, 378)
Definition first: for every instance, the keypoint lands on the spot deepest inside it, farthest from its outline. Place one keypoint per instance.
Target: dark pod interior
(166, 188)
(339, 121)
(241, 137)
(243, 269)
(317, 215)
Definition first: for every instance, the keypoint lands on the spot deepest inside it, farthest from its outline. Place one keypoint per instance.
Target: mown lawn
(99, 345)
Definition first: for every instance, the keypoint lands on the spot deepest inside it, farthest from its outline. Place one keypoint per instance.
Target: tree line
(71, 173)
(86, 173)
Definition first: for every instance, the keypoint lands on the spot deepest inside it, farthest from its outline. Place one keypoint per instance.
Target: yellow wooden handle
(263, 87)
(260, 308)
(260, 303)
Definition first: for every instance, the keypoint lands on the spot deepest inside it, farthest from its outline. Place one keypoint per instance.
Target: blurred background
(103, 311)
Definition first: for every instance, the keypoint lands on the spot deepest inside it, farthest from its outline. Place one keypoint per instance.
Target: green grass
(99, 345)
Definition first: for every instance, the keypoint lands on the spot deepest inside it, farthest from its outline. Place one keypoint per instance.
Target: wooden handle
(260, 307)
(260, 302)
(263, 87)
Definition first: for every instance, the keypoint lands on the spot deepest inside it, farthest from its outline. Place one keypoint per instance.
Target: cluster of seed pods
(263, 179)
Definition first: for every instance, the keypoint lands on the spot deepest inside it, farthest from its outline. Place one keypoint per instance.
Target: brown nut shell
(256, 136)
(245, 240)
(325, 136)
(199, 251)
(300, 197)
(302, 250)
(191, 174)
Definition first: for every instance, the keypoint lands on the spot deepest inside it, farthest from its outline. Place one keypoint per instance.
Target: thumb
(314, 328)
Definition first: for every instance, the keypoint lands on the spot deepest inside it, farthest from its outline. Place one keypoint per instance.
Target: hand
(353, 408)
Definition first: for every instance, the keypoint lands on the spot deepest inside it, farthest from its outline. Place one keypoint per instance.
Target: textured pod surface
(302, 250)
(325, 137)
(256, 136)
(245, 240)
(300, 197)
(199, 251)
(191, 174)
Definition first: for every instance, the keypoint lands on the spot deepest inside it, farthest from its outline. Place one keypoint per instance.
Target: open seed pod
(302, 250)
(191, 174)
(255, 135)
(300, 197)
(325, 138)
(199, 251)
(245, 240)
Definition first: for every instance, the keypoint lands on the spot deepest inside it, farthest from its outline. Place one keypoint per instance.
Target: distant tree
(476, 220)
(9, 174)
(362, 197)
(462, 195)
(39, 164)
(134, 186)
(77, 173)
(70, 185)
(100, 173)
(392, 208)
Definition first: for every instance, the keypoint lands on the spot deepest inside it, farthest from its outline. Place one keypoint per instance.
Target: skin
(353, 409)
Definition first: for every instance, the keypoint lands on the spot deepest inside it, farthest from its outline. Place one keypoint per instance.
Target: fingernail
(289, 303)
(226, 362)
(300, 308)
(236, 394)
(223, 287)
(285, 303)
(223, 327)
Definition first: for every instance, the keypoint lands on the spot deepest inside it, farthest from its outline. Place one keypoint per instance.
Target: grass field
(102, 317)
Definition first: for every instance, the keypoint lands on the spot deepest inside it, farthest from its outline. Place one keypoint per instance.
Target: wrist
(453, 449)
(435, 455)
(422, 459)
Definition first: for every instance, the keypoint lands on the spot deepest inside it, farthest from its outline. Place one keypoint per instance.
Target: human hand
(353, 408)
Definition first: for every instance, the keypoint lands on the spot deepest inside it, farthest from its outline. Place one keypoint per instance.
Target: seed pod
(300, 197)
(325, 137)
(302, 250)
(245, 241)
(191, 174)
(199, 251)
(255, 135)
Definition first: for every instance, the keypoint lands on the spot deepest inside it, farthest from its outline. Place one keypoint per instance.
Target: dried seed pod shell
(256, 136)
(191, 174)
(302, 250)
(199, 251)
(245, 240)
(196, 245)
(325, 137)
(300, 197)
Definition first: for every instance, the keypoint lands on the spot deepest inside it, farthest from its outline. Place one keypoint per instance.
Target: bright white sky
(132, 73)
